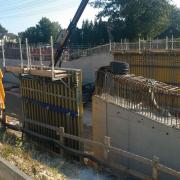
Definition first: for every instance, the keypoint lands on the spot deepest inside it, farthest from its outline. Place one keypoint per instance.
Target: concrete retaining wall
(137, 134)
(10, 172)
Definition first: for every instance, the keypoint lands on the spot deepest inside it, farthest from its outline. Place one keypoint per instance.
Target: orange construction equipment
(2, 93)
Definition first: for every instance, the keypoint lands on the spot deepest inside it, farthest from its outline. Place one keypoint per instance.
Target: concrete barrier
(10, 172)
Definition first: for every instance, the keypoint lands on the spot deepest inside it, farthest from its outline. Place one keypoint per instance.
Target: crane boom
(72, 25)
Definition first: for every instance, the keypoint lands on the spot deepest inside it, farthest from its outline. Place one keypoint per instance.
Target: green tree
(174, 26)
(3, 30)
(175, 18)
(145, 18)
(87, 32)
(100, 31)
(42, 31)
(90, 33)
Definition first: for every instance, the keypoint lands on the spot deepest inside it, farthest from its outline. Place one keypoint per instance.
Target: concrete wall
(137, 134)
(10, 172)
(89, 65)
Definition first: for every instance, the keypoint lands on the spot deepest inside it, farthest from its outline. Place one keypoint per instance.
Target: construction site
(109, 112)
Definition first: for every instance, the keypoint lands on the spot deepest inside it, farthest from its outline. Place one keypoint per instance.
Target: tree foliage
(41, 32)
(3, 30)
(174, 26)
(134, 18)
(175, 18)
(90, 33)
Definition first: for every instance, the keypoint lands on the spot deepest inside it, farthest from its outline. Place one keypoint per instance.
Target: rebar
(153, 99)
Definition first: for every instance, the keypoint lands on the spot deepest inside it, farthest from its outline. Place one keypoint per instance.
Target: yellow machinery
(2, 93)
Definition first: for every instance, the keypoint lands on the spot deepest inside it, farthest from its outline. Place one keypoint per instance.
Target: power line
(31, 7)
(34, 12)
(27, 6)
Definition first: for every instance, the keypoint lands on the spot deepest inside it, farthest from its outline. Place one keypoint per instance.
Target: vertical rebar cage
(49, 105)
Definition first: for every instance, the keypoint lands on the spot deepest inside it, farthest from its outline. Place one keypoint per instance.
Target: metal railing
(150, 45)
(75, 52)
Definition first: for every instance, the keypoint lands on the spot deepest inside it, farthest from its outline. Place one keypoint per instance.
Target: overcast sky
(16, 17)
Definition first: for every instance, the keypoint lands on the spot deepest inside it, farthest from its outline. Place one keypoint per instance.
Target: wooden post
(108, 144)
(155, 171)
(3, 121)
(61, 139)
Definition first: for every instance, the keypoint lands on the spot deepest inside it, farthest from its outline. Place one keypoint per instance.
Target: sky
(18, 15)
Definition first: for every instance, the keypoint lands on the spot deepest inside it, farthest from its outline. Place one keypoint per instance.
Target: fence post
(21, 56)
(172, 42)
(155, 171)
(108, 144)
(167, 43)
(27, 53)
(150, 41)
(3, 55)
(157, 41)
(40, 56)
(29, 49)
(52, 57)
(121, 44)
(139, 45)
(61, 138)
(110, 46)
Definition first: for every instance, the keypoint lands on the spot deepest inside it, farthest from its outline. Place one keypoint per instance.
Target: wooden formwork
(159, 65)
(48, 105)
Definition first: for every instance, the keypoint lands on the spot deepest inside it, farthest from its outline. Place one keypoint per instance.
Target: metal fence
(77, 51)
(146, 45)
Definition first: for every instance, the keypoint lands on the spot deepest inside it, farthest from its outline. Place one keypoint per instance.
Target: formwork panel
(161, 66)
(49, 105)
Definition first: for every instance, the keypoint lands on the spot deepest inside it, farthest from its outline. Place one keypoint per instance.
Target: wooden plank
(48, 73)
(16, 69)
